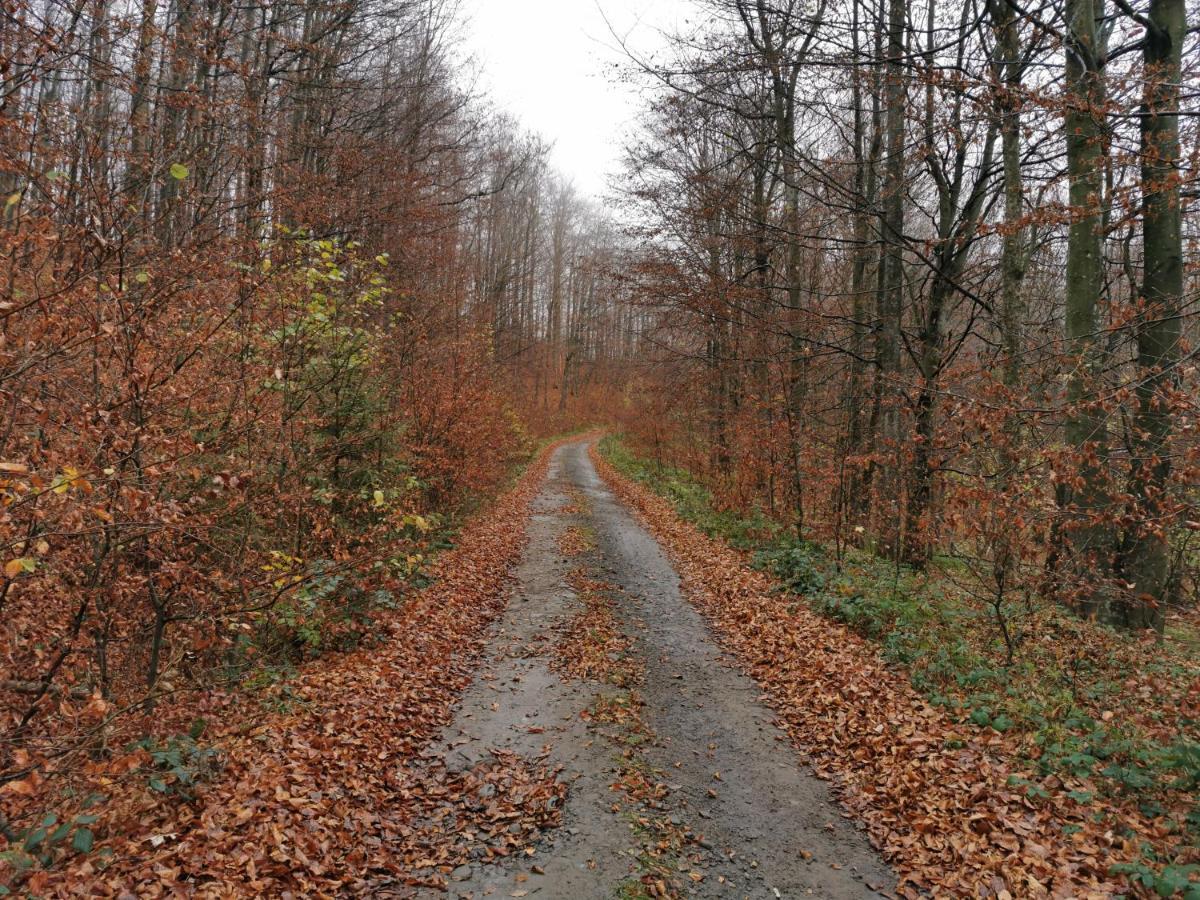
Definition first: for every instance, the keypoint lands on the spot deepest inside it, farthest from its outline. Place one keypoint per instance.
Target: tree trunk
(1158, 327)
(1086, 535)
(866, 162)
(1013, 258)
(892, 287)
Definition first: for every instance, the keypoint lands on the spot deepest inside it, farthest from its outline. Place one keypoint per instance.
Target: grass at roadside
(1080, 700)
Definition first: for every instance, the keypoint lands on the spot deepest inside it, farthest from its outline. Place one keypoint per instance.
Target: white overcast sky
(550, 64)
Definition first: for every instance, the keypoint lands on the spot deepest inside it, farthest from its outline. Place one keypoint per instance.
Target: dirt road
(678, 778)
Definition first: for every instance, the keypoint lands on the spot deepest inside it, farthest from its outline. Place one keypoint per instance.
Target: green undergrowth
(693, 501)
(1081, 700)
(328, 608)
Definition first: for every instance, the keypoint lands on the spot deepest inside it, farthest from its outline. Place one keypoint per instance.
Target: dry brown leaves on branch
(332, 797)
(936, 797)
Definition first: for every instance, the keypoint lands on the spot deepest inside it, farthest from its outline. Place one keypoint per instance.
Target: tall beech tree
(1158, 322)
(1088, 530)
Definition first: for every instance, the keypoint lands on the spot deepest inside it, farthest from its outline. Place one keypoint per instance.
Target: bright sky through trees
(550, 63)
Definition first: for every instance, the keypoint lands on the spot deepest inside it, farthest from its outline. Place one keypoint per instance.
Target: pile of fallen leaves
(495, 809)
(574, 541)
(577, 502)
(592, 647)
(332, 796)
(948, 806)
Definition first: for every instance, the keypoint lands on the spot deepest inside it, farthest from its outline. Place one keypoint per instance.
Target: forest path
(678, 777)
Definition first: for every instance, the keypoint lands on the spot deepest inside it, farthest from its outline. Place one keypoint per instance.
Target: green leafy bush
(180, 763)
(1169, 881)
(50, 840)
(799, 566)
(326, 609)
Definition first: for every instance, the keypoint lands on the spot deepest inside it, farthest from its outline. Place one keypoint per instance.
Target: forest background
(899, 298)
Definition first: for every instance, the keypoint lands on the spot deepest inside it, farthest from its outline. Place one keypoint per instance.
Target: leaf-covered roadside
(332, 795)
(946, 804)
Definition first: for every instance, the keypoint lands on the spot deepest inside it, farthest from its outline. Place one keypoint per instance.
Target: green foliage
(322, 363)
(1182, 758)
(1122, 762)
(692, 501)
(323, 609)
(1167, 881)
(345, 462)
(175, 767)
(800, 567)
(51, 839)
(180, 763)
(1032, 790)
(1192, 820)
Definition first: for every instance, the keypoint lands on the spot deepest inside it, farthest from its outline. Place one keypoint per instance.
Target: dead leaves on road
(494, 810)
(937, 801)
(642, 796)
(574, 541)
(591, 646)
